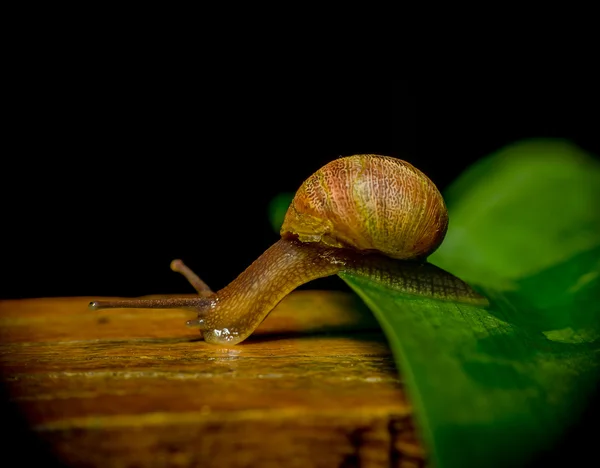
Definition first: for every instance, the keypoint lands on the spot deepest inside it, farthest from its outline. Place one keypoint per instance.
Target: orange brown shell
(369, 203)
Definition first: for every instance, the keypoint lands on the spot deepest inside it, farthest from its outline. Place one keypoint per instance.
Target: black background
(119, 159)
(119, 169)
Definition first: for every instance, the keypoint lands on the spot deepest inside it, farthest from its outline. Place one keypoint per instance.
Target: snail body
(370, 215)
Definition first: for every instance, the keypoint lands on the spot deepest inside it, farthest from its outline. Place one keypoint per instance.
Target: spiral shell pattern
(369, 203)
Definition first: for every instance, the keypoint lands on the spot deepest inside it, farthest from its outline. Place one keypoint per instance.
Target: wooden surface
(315, 386)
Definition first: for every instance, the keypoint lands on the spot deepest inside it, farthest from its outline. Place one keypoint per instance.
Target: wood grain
(315, 386)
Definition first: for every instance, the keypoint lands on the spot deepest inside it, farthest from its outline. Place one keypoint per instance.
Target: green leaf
(277, 209)
(498, 386)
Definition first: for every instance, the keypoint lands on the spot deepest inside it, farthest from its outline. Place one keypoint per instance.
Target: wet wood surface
(315, 386)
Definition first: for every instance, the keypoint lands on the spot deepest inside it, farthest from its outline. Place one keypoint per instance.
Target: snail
(374, 216)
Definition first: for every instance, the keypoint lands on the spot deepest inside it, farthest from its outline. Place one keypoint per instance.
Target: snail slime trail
(374, 216)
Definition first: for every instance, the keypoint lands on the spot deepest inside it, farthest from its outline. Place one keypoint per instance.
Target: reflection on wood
(314, 386)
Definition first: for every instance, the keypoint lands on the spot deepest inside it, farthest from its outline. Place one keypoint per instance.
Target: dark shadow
(579, 443)
(371, 334)
(527, 343)
(19, 443)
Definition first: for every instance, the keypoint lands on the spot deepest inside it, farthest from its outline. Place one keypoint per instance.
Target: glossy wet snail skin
(375, 216)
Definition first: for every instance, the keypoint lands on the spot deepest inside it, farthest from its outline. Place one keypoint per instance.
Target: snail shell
(369, 203)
